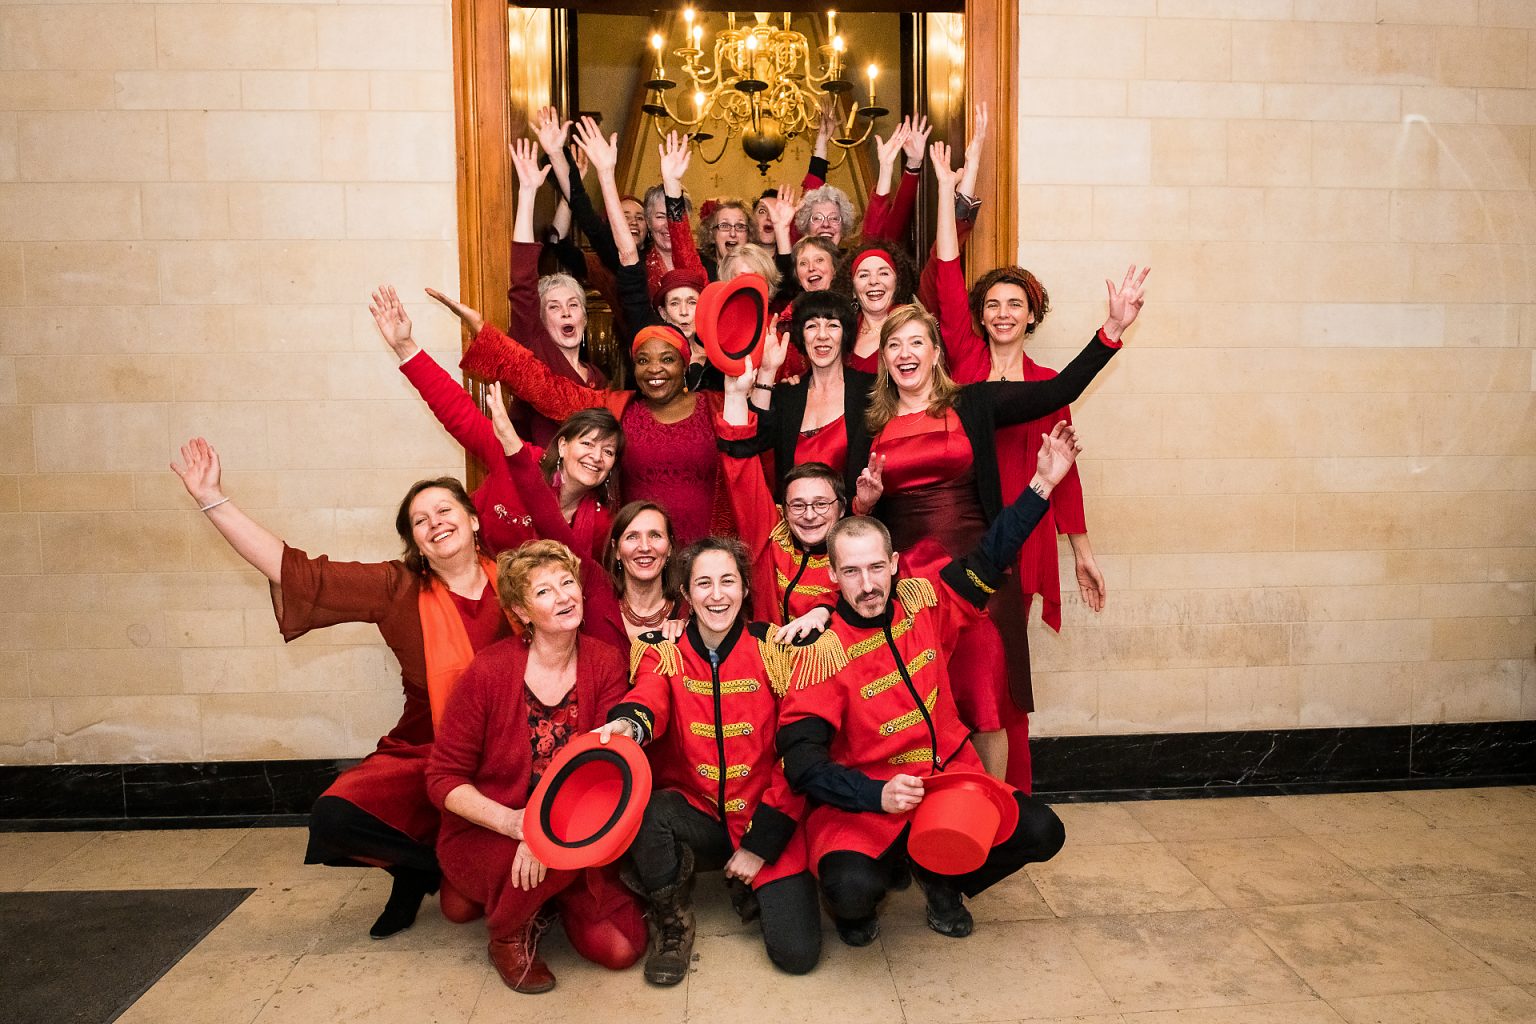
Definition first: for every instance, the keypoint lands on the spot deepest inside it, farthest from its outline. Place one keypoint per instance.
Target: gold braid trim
(921, 754)
(705, 688)
(911, 718)
(976, 580)
(736, 807)
(670, 659)
(731, 730)
(869, 691)
(781, 536)
(874, 643)
(735, 771)
(821, 660)
(813, 589)
(916, 592)
(779, 663)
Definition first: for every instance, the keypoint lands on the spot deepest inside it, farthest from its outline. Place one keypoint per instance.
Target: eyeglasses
(820, 506)
(731, 228)
(826, 218)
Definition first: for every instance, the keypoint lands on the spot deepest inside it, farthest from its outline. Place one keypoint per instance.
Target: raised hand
(870, 486)
(550, 130)
(471, 317)
(781, 208)
(1125, 301)
(739, 386)
(525, 160)
(973, 150)
(390, 318)
(947, 177)
(582, 163)
(506, 433)
(826, 128)
(887, 150)
(916, 140)
(775, 350)
(675, 157)
(199, 471)
(1058, 450)
(603, 152)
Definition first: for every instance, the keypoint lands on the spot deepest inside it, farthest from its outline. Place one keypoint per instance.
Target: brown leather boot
(518, 962)
(672, 927)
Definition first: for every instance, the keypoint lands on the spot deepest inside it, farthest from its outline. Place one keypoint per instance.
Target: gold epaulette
(671, 659)
(916, 592)
(820, 661)
(780, 535)
(779, 663)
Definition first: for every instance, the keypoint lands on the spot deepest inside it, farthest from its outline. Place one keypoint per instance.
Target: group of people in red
(793, 559)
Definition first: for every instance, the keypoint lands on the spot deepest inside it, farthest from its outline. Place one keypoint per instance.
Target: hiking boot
(672, 926)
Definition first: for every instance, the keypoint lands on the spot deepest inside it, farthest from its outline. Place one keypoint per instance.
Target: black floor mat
(84, 957)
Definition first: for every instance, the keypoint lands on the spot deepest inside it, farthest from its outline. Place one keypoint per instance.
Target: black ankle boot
(946, 907)
(411, 887)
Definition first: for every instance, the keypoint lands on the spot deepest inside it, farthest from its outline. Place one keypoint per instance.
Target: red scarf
(445, 642)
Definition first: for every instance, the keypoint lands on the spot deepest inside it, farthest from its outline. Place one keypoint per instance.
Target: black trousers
(790, 917)
(855, 883)
(342, 834)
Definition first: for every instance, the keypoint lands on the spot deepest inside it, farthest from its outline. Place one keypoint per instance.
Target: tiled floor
(1411, 908)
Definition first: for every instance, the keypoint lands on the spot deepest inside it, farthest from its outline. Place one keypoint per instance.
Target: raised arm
(201, 475)
(816, 171)
(525, 160)
(603, 153)
(675, 157)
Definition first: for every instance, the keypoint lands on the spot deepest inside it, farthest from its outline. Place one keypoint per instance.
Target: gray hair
(549, 282)
(825, 194)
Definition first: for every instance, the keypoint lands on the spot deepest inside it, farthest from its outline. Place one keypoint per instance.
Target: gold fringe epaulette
(916, 592)
(670, 659)
(779, 663)
(820, 661)
(780, 535)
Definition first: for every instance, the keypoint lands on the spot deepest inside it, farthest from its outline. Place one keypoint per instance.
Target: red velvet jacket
(710, 734)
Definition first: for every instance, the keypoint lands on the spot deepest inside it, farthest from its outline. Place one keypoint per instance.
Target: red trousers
(602, 919)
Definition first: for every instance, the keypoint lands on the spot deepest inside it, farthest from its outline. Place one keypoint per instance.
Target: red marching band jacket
(881, 688)
(709, 730)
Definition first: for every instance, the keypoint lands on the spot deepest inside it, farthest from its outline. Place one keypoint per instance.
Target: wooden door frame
(486, 119)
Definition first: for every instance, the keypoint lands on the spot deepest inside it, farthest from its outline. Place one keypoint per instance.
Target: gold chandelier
(760, 85)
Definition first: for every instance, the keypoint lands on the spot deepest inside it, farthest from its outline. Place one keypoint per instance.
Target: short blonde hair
(515, 569)
(751, 259)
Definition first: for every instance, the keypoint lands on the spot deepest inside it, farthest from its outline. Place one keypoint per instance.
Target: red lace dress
(673, 464)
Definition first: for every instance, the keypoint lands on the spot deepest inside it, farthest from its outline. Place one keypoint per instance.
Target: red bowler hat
(732, 321)
(962, 816)
(588, 805)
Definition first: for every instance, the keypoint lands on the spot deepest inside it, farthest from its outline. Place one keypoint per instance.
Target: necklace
(650, 621)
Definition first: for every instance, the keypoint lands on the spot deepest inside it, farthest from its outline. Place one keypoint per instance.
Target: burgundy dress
(930, 495)
(673, 464)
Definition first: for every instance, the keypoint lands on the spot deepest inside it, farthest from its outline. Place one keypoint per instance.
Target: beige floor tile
(1508, 1005)
(1018, 971)
(732, 979)
(712, 908)
(377, 988)
(1136, 878)
(265, 855)
(1314, 1011)
(211, 988)
(1517, 842)
(1345, 812)
(25, 855)
(1469, 808)
(1361, 949)
(1178, 961)
(137, 860)
(1273, 872)
(281, 918)
(1097, 824)
(1187, 821)
(584, 993)
(1015, 898)
(346, 931)
(1501, 929)
(1431, 862)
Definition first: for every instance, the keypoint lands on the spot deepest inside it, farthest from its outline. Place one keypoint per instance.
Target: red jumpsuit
(483, 741)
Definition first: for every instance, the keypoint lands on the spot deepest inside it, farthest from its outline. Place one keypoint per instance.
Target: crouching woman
(514, 707)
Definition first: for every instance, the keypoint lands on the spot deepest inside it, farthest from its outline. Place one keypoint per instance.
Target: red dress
(676, 465)
(930, 493)
(317, 592)
(828, 443)
(483, 741)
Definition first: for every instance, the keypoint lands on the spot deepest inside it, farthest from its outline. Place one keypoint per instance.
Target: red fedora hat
(732, 321)
(962, 816)
(588, 805)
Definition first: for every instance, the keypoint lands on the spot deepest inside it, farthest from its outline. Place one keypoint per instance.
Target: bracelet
(214, 505)
(1040, 492)
(765, 387)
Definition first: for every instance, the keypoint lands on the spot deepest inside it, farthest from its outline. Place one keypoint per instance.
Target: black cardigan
(778, 428)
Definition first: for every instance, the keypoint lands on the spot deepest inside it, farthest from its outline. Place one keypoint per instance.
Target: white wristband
(214, 505)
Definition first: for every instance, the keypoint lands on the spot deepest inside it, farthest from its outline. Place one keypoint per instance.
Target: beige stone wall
(195, 199)
(1311, 475)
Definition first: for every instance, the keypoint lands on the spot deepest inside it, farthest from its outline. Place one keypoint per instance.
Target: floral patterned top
(549, 728)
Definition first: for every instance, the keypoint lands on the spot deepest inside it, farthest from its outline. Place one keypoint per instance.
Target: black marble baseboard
(1080, 768)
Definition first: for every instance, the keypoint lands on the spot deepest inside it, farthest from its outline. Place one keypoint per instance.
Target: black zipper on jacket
(805, 558)
(922, 709)
(714, 671)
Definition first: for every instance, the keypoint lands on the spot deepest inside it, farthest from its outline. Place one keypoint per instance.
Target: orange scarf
(445, 642)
